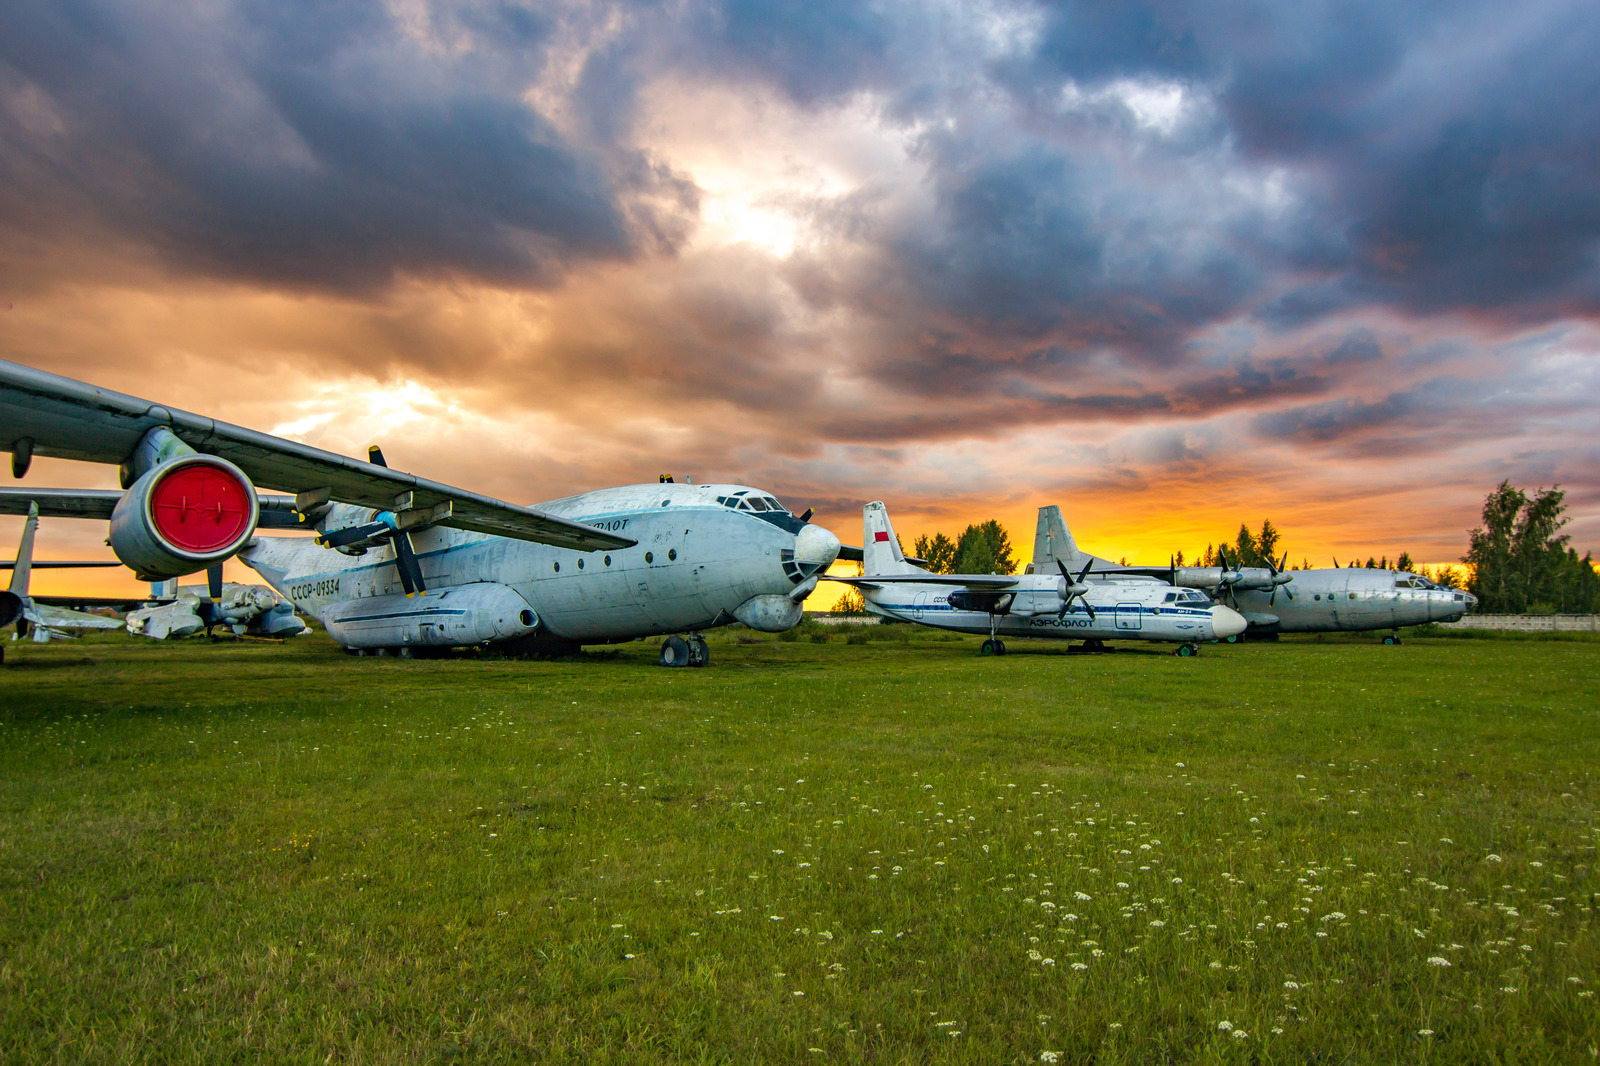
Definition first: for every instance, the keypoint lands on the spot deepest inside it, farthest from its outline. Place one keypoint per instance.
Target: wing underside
(69, 419)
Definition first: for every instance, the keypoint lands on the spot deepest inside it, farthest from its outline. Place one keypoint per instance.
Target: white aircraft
(402, 564)
(1068, 607)
(42, 620)
(1312, 601)
(246, 610)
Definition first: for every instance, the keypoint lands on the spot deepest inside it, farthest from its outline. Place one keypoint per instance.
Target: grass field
(884, 851)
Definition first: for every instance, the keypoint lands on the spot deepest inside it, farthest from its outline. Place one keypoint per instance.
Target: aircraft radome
(1064, 607)
(1274, 600)
(404, 565)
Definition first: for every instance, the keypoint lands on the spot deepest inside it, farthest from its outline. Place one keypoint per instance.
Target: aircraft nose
(1226, 622)
(815, 548)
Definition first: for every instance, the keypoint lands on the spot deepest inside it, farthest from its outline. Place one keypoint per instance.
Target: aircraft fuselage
(703, 559)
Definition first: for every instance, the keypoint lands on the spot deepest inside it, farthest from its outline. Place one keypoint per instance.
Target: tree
(1521, 561)
(939, 551)
(1267, 543)
(984, 548)
(1405, 563)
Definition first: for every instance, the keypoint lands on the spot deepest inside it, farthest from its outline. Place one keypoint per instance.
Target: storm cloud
(969, 256)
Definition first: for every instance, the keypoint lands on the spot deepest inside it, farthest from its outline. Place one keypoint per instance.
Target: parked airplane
(246, 610)
(43, 621)
(1068, 607)
(1312, 601)
(402, 564)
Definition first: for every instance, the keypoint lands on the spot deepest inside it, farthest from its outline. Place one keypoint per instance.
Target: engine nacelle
(184, 515)
(466, 614)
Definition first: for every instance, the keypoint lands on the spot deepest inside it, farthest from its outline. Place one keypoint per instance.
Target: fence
(1530, 623)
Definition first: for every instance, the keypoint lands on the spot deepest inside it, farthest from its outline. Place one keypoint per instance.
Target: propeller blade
(375, 455)
(1335, 561)
(1087, 607)
(350, 534)
(405, 561)
(807, 516)
(214, 582)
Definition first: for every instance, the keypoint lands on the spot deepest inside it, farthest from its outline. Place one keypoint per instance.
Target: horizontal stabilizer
(971, 581)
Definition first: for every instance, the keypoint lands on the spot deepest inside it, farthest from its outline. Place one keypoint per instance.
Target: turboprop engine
(465, 614)
(184, 515)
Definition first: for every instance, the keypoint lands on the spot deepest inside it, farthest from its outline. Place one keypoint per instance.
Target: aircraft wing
(277, 512)
(971, 581)
(61, 618)
(71, 419)
(59, 564)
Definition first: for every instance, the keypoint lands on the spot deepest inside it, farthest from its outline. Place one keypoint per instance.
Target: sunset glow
(1171, 269)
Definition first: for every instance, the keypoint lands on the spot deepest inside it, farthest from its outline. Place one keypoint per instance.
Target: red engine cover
(201, 508)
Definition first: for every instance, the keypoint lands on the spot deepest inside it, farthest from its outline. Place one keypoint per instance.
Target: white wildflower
(1438, 960)
(1049, 1056)
(1082, 895)
(1225, 1026)
(1491, 858)
(1424, 1032)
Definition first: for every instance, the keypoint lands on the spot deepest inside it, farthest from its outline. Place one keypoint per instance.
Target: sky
(1172, 266)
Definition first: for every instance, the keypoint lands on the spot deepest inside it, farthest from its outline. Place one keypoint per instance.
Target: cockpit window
(772, 504)
(1194, 597)
(756, 503)
(1171, 596)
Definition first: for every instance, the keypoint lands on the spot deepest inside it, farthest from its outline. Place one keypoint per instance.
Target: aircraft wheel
(999, 647)
(405, 653)
(1188, 650)
(1231, 640)
(1391, 639)
(699, 652)
(674, 652)
(992, 647)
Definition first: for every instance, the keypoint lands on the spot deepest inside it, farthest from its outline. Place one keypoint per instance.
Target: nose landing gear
(678, 651)
(1393, 637)
(1189, 651)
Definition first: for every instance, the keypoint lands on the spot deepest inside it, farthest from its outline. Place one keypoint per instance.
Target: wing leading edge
(55, 416)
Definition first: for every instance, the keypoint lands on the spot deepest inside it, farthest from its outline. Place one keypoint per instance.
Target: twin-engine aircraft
(1068, 607)
(404, 565)
(44, 621)
(1274, 600)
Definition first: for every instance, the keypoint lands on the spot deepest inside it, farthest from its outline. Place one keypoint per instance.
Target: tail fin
(880, 548)
(1052, 540)
(24, 564)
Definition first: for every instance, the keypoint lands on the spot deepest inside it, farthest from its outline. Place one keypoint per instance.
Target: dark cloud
(311, 145)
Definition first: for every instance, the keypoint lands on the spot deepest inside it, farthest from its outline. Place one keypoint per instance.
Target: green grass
(885, 851)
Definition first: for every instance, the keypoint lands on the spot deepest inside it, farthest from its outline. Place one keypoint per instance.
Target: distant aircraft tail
(880, 548)
(24, 566)
(1052, 540)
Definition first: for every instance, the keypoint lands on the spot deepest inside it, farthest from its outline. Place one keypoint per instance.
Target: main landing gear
(994, 645)
(1393, 637)
(1189, 650)
(690, 651)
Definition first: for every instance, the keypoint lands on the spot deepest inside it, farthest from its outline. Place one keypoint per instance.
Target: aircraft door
(1128, 616)
(918, 603)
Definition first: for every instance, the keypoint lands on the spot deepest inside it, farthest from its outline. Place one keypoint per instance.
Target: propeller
(405, 559)
(1280, 579)
(1227, 578)
(1070, 589)
(214, 582)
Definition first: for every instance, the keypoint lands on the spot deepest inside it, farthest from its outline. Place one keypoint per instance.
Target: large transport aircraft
(1064, 607)
(403, 565)
(1274, 600)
